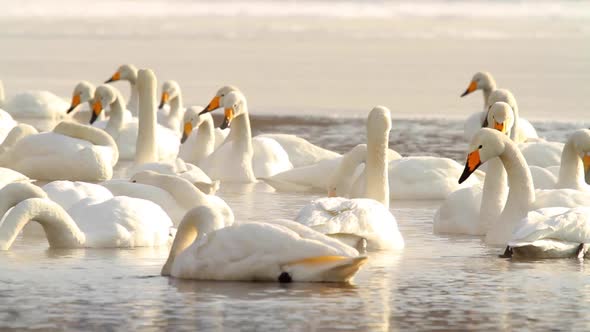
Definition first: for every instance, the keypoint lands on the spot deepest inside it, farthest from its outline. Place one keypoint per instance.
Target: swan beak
(164, 100)
(213, 105)
(75, 102)
(328, 268)
(500, 127)
(96, 109)
(473, 162)
(472, 87)
(116, 76)
(586, 161)
(229, 115)
(188, 128)
(332, 193)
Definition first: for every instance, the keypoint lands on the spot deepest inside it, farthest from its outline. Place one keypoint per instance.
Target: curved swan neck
(15, 193)
(377, 184)
(343, 178)
(495, 190)
(521, 193)
(88, 133)
(192, 228)
(116, 120)
(182, 190)
(571, 170)
(145, 151)
(206, 138)
(176, 106)
(60, 229)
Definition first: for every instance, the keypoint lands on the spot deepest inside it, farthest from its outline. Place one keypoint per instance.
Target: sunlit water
(436, 282)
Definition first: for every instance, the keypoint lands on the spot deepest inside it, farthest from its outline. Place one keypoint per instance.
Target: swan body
(541, 153)
(68, 193)
(6, 124)
(70, 152)
(300, 151)
(8, 176)
(367, 218)
(119, 222)
(281, 251)
(126, 132)
(41, 109)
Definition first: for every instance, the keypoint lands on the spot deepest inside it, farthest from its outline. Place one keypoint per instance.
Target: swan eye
(134, 181)
(481, 146)
(222, 95)
(285, 277)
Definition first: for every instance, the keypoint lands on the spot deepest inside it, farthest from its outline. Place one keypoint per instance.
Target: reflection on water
(453, 282)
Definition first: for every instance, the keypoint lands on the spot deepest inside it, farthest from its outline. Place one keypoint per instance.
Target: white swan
(128, 72)
(281, 251)
(362, 221)
(70, 152)
(6, 124)
(8, 175)
(120, 222)
(83, 93)
(199, 136)
(522, 198)
(172, 117)
(300, 151)
(41, 109)
(485, 82)
(126, 132)
(241, 158)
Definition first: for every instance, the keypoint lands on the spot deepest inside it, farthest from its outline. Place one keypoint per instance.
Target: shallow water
(437, 282)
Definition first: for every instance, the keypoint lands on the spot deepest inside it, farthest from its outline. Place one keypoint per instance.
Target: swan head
(83, 92)
(481, 81)
(170, 90)
(217, 100)
(501, 117)
(379, 121)
(192, 120)
(581, 141)
(234, 105)
(148, 177)
(104, 95)
(126, 72)
(485, 145)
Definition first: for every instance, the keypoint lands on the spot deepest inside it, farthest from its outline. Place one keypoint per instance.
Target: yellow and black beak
(96, 109)
(75, 103)
(229, 115)
(188, 128)
(473, 162)
(586, 161)
(213, 105)
(472, 87)
(164, 100)
(116, 76)
(499, 126)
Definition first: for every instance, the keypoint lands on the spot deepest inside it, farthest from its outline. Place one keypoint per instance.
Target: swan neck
(133, 104)
(205, 139)
(60, 229)
(521, 193)
(2, 95)
(377, 184)
(495, 190)
(571, 170)
(186, 234)
(183, 191)
(241, 136)
(145, 150)
(176, 106)
(343, 178)
(116, 121)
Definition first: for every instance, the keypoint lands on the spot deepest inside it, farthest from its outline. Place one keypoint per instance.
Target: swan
(522, 198)
(83, 93)
(119, 222)
(8, 175)
(41, 109)
(485, 82)
(199, 136)
(172, 117)
(300, 151)
(6, 124)
(362, 221)
(126, 132)
(282, 251)
(128, 72)
(70, 152)
(241, 158)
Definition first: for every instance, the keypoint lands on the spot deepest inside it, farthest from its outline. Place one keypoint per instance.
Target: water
(436, 282)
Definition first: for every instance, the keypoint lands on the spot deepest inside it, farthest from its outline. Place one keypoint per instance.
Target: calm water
(437, 282)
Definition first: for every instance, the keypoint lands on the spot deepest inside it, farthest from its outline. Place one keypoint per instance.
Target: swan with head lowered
(83, 93)
(127, 132)
(40, 109)
(280, 250)
(174, 194)
(241, 158)
(522, 198)
(363, 221)
(70, 152)
(300, 151)
(199, 136)
(128, 72)
(119, 222)
(484, 81)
